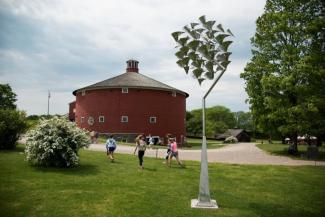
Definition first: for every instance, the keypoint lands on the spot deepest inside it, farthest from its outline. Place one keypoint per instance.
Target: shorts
(173, 154)
(111, 149)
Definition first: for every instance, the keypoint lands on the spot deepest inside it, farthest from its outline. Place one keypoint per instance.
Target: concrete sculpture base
(212, 205)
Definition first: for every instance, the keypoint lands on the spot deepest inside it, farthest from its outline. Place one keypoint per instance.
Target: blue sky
(67, 44)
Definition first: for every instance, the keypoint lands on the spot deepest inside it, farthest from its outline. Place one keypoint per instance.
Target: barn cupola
(132, 66)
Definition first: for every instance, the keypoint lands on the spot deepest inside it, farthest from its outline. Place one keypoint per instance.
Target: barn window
(125, 90)
(82, 119)
(83, 93)
(153, 120)
(101, 119)
(174, 93)
(124, 119)
(74, 110)
(91, 120)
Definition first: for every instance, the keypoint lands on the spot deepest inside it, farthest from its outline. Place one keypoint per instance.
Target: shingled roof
(131, 80)
(230, 132)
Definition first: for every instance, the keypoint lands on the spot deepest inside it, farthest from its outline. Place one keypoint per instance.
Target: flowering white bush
(231, 139)
(55, 142)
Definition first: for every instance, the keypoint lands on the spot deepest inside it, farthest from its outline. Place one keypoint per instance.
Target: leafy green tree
(12, 124)
(285, 77)
(194, 123)
(222, 117)
(7, 97)
(219, 119)
(244, 120)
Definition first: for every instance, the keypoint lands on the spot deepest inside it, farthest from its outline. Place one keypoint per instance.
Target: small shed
(240, 134)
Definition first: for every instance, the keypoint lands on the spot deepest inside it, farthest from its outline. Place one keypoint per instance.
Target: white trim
(124, 119)
(152, 119)
(101, 119)
(83, 92)
(174, 93)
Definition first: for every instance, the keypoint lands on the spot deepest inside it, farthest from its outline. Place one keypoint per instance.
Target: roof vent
(132, 66)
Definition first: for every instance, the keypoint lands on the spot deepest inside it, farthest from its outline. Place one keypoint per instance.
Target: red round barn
(130, 104)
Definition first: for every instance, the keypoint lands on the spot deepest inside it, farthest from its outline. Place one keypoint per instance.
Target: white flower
(55, 142)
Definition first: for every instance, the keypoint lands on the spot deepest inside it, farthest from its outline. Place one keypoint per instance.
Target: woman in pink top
(174, 152)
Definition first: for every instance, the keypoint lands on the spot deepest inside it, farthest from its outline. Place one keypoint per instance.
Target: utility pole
(48, 103)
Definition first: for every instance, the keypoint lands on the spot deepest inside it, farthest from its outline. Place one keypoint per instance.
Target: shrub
(12, 124)
(231, 139)
(55, 142)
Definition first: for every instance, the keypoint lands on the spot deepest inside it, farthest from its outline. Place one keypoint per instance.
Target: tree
(222, 119)
(244, 120)
(203, 51)
(285, 77)
(12, 124)
(218, 120)
(7, 97)
(194, 123)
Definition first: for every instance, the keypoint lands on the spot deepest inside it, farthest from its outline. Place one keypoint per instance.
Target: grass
(197, 143)
(100, 188)
(282, 150)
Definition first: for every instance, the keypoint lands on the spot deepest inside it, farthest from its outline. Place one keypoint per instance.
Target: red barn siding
(138, 105)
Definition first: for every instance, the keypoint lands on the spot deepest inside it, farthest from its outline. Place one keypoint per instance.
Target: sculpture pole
(204, 200)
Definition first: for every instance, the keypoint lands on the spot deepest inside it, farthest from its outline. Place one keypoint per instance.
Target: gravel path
(240, 153)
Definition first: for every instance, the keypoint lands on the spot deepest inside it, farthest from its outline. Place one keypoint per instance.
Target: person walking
(96, 137)
(151, 141)
(174, 152)
(110, 147)
(168, 151)
(92, 136)
(141, 146)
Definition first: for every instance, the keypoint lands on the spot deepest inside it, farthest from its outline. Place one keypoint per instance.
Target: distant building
(240, 134)
(130, 104)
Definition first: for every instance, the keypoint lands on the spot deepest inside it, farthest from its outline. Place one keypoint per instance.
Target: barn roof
(131, 80)
(230, 132)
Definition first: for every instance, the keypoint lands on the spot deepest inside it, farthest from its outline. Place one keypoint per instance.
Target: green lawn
(100, 188)
(282, 149)
(197, 143)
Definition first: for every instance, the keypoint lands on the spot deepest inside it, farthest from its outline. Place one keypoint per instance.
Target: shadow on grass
(18, 148)
(275, 210)
(301, 155)
(150, 169)
(114, 162)
(81, 170)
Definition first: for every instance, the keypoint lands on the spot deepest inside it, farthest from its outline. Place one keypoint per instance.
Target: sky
(64, 45)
